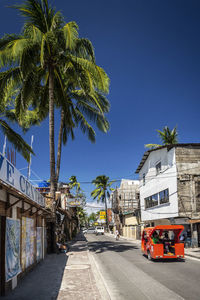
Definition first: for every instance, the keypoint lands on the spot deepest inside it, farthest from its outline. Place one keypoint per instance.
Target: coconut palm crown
(167, 136)
(102, 191)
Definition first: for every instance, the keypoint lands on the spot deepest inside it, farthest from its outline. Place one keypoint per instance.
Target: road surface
(127, 274)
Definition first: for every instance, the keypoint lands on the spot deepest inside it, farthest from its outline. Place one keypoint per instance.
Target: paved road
(129, 275)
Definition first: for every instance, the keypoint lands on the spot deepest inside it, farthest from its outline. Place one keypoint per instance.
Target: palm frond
(70, 31)
(16, 140)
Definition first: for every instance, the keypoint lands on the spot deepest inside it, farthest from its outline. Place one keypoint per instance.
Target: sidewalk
(63, 276)
(80, 277)
(192, 252)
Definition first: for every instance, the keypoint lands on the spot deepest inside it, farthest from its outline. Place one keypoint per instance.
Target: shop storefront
(22, 226)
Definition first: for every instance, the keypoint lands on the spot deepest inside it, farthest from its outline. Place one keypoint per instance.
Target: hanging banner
(12, 248)
(23, 257)
(30, 237)
(39, 243)
(11, 176)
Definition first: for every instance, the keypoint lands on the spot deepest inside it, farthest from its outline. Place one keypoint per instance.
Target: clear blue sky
(151, 52)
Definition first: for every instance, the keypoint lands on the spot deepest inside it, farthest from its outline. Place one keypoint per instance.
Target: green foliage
(167, 136)
(79, 85)
(73, 183)
(103, 186)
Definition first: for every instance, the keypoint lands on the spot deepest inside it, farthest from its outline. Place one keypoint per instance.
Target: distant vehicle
(162, 241)
(84, 230)
(91, 230)
(99, 230)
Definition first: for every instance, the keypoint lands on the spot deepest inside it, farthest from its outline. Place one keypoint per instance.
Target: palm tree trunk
(106, 210)
(51, 133)
(59, 146)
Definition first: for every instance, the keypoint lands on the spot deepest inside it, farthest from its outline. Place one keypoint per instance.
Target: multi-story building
(125, 206)
(170, 187)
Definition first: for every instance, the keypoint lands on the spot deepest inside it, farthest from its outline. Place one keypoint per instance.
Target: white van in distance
(99, 230)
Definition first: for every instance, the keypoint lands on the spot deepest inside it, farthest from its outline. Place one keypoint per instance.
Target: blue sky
(151, 51)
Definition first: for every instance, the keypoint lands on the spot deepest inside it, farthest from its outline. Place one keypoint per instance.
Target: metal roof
(169, 147)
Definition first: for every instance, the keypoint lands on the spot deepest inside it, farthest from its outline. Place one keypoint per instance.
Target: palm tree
(37, 60)
(16, 139)
(102, 190)
(73, 183)
(167, 136)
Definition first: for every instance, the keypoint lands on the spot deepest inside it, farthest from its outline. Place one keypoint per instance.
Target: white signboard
(11, 176)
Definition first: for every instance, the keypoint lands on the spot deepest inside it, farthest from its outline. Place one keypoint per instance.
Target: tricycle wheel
(149, 255)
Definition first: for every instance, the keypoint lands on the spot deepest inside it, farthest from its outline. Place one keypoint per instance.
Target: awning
(194, 221)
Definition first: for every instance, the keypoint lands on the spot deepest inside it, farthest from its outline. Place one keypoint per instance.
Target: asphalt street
(127, 274)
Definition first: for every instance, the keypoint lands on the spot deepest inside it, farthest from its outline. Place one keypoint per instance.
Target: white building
(170, 186)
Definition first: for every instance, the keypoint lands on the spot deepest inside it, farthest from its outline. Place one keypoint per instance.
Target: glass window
(151, 201)
(143, 179)
(155, 199)
(158, 168)
(164, 196)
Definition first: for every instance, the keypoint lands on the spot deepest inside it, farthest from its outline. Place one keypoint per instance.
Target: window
(164, 196)
(156, 199)
(151, 201)
(143, 179)
(158, 168)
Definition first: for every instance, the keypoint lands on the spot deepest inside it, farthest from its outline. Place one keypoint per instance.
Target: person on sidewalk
(117, 235)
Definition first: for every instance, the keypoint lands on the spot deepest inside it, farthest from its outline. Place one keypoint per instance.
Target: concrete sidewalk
(81, 279)
(73, 276)
(192, 252)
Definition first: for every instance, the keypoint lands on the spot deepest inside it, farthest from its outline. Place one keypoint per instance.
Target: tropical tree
(92, 217)
(102, 191)
(82, 216)
(167, 136)
(16, 139)
(37, 61)
(74, 184)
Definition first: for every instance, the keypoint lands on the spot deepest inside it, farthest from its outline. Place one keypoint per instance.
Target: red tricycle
(162, 242)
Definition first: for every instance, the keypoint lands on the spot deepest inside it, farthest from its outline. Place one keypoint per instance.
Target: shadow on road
(102, 246)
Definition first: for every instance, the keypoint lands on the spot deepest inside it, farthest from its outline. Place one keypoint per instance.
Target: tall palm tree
(102, 191)
(167, 136)
(46, 49)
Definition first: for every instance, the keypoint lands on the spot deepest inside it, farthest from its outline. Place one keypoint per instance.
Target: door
(198, 233)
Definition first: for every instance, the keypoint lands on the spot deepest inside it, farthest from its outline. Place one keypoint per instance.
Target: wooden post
(3, 255)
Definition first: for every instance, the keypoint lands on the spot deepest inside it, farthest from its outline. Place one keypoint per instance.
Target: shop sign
(74, 202)
(103, 213)
(102, 217)
(11, 176)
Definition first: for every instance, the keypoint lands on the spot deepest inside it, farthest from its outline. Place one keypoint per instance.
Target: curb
(100, 282)
(193, 256)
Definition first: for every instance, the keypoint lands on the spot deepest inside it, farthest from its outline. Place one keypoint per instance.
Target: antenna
(4, 145)
(29, 164)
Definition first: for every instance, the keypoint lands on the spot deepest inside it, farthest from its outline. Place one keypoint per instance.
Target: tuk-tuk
(162, 242)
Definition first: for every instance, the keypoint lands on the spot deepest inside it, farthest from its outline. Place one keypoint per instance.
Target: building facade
(22, 226)
(169, 187)
(125, 206)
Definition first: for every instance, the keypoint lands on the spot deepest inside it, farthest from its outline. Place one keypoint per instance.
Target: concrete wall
(130, 220)
(156, 183)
